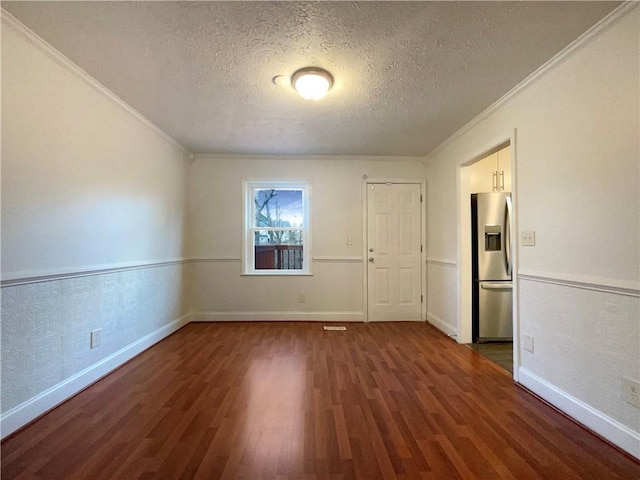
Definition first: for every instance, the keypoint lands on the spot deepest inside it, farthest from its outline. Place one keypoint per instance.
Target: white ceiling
(407, 74)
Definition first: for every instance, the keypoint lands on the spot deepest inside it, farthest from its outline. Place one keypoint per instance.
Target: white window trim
(248, 252)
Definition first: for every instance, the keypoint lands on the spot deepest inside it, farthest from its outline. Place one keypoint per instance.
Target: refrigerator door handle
(507, 234)
(496, 285)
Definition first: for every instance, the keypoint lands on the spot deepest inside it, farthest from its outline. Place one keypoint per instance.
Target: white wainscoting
(210, 271)
(603, 425)
(46, 325)
(26, 412)
(586, 339)
(441, 303)
(333, 292)
(441, 325)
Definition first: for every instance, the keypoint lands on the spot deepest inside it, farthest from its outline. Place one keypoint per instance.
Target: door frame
(464, 313)
(423, 236)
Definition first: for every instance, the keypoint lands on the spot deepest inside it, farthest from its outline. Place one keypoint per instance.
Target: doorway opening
(500, 353)
(486, 319)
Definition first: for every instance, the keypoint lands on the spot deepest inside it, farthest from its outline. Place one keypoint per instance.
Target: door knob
(371, 249)
(371, 259)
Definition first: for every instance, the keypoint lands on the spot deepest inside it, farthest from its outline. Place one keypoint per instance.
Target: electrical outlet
(96, 337)
(528, 238)
(528, 343)
(301, 298)
(631, 391)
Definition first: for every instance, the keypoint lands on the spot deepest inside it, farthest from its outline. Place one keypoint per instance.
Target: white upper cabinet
(492, 173)
(503, 167)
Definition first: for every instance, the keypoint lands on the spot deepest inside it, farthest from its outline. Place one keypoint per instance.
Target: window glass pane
(278, 250)
(278, 208)
(278, 237)
(276, 230)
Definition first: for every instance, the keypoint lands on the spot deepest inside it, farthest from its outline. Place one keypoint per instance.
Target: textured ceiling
(407, 74)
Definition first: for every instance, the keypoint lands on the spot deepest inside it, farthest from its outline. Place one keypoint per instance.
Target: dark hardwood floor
(292, 401)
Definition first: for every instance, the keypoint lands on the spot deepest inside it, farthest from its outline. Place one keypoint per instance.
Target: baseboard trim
(608, 428)
(277, 316)
(28, 411)
(441, 325)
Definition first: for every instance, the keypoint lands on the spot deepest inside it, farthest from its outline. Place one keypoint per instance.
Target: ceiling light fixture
(311, 82)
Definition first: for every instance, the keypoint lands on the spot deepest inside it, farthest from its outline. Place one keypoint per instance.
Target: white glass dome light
(311, 82)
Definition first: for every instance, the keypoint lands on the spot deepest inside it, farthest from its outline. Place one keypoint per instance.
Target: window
(276, 239)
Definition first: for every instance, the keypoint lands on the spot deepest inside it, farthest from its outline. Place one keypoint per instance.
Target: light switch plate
(528, 238)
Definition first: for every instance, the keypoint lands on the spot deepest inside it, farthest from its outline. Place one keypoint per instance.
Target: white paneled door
(394, 274)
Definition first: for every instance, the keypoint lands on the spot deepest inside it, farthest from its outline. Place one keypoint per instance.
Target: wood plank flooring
(292, 401)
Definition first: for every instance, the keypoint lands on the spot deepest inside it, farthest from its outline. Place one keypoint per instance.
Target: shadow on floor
(500, 353)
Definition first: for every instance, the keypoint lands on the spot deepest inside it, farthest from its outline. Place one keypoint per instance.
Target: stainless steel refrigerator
(491, 260)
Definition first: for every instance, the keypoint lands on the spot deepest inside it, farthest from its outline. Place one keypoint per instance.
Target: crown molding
(46, 48)
(269, 157)
(610, 20)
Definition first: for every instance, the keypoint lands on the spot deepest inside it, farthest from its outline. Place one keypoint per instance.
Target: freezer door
(495, 321)
(493, 236)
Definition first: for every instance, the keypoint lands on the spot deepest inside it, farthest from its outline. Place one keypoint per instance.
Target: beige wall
(576, 146)
(335, 290)
(93, 225)
(85, 182)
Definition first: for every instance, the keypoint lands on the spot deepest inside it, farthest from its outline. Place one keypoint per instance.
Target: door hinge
(420, 248)
(421, 298)
(420, 198)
